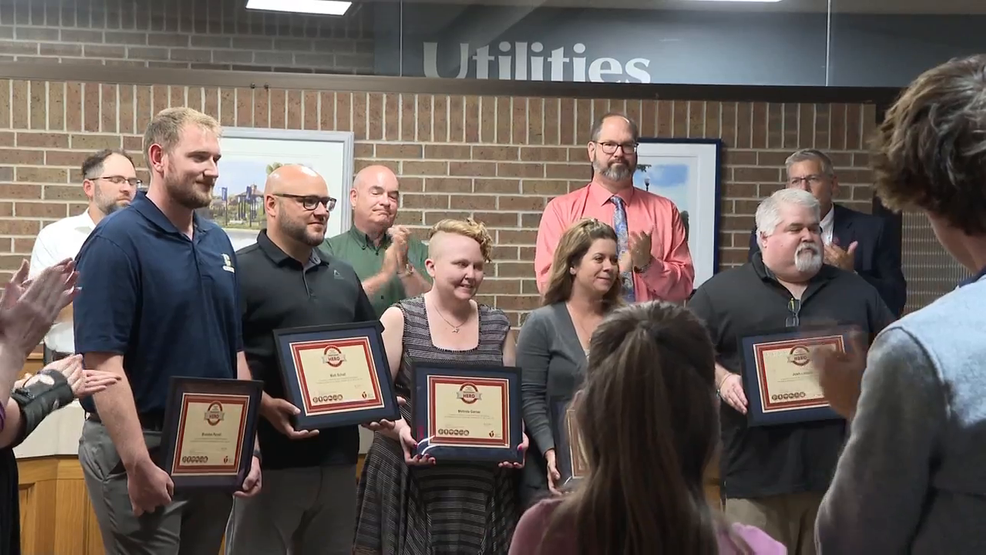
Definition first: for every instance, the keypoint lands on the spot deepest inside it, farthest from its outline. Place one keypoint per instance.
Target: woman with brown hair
(648, 420)
(551, 350)
(414, 505)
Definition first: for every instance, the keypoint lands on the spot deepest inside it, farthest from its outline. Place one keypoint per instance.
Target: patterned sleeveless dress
(445, 509)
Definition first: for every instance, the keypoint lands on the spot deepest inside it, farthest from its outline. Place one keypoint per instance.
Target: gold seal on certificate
(210, 427)
(780, 376)
(337, 375)
(467, 412)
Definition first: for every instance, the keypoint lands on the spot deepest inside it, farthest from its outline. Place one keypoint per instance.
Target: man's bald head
(295, 179)
(375, 196)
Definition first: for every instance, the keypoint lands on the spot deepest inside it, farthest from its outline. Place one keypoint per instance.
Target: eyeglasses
(794, 307)
(119, 180)
(310, 202)
(610, 147)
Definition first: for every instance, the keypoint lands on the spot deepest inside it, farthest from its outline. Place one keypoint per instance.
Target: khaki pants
(789, 519)
(191, 525)
(301, 511)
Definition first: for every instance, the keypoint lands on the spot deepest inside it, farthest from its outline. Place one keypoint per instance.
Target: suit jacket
(877, 258)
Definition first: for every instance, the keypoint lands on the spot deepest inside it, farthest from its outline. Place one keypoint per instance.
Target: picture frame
(569, 455)
(209, 434)
(250, 155)
(689, 173)
(336, 374)
(450, 419)
(780, 381)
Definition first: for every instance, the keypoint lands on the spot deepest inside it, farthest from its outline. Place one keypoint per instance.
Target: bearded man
(655, 263)
(773, 476)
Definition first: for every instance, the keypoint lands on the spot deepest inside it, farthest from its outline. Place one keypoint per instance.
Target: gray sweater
(912, 478)
(552, 362)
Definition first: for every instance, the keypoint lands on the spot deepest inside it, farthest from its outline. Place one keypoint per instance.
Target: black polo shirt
(278, 292)
(167, 303)
(788, 458)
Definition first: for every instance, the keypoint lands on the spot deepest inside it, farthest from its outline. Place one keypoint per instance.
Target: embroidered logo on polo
(228, 264)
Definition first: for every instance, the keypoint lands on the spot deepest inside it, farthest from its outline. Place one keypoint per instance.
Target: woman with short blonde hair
(414, 505)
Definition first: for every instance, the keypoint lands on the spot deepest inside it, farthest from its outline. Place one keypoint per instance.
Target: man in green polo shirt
(390, 263)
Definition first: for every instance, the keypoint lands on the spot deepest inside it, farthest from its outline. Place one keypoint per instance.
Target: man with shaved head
(308, 504)
(390, 262)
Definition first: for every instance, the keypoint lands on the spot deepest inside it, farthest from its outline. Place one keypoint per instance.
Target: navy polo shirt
(167, 303)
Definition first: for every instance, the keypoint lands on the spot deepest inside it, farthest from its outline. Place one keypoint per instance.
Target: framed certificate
(569, 450)
(337, 375)
(467, 412)
(779, 376)
(210, 426)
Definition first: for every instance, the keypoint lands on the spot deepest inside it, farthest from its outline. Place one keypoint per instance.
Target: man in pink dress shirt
(654, 259)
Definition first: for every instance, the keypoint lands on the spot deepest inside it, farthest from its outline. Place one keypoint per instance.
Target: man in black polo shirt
(308, 504)
(773, 477)
(159, 299)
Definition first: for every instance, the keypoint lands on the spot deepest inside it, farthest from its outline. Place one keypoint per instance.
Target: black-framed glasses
(119, 180)
(794, 307)
(310, 202)
(610, 147)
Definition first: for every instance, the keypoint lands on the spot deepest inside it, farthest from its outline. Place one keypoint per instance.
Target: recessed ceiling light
(322, 7)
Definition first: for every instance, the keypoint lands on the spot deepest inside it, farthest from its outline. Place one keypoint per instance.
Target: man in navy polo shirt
(159, 299)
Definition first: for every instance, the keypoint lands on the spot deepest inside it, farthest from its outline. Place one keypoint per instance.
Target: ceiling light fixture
(321, 7)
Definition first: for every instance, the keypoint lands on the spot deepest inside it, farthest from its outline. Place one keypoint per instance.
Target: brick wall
(196, 34)
(499, 159)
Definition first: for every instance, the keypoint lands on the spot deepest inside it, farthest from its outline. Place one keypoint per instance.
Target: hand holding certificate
(210, 426)
(781, 378)
(468, 412)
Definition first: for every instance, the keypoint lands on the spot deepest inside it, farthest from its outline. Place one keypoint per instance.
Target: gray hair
(807, 154)
(769, 212)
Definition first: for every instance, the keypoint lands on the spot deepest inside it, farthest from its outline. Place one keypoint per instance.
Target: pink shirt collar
(599, 195)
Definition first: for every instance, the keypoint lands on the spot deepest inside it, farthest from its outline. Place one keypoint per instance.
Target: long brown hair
(572, 246)
(649, 422)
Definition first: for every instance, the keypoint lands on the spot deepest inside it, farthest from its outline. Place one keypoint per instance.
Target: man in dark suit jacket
(854, 241)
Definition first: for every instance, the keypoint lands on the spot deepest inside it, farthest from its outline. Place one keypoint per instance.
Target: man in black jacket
(854, 241)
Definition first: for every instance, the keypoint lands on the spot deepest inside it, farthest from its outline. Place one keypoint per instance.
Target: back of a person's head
(649, 424)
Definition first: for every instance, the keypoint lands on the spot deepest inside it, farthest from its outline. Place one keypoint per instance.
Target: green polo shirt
(357, 250)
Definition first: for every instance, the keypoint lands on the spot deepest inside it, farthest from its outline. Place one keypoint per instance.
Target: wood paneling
(56, 515)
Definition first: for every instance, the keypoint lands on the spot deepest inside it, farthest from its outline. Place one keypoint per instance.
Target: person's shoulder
(655, 200)
(726, 278)
(543, 313)
(493, 314)
(758, 541)
(859, 218)
(567, 201)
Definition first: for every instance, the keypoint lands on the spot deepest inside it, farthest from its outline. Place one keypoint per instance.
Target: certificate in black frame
(766, 408)
(427, 374)
(378, 403)
(218, 395)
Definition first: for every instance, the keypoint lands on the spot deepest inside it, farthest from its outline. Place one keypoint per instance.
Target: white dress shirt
(56, 242)
(827, 225)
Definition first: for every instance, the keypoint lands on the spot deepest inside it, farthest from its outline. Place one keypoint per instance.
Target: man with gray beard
(654, 260)
(773, 476)
(308, 503)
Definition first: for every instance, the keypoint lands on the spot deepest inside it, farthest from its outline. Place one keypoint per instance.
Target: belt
(151, 422)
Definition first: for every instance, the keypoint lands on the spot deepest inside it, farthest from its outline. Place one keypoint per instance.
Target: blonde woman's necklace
(455, 328)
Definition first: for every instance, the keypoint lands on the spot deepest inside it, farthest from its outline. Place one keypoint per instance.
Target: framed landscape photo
(688, 172)
(250, 155)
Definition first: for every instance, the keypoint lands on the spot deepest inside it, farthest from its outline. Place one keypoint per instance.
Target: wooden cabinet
(56, 515)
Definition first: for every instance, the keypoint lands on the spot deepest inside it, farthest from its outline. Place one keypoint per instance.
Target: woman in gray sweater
(554, 341)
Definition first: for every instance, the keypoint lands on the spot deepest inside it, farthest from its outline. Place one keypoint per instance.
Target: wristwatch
(644, 268)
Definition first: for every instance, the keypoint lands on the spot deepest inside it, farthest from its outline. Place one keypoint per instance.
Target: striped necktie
(623, 245)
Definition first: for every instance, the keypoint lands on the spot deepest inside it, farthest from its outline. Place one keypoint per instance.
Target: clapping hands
(28, 307)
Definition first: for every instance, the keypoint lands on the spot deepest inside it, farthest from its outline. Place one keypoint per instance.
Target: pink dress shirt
(670, 276)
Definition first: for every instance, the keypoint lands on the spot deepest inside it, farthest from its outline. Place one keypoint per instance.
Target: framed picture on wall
(250, 155)
(687, 171)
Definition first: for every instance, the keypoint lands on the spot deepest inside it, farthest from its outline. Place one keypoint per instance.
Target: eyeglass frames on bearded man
(310, 202)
